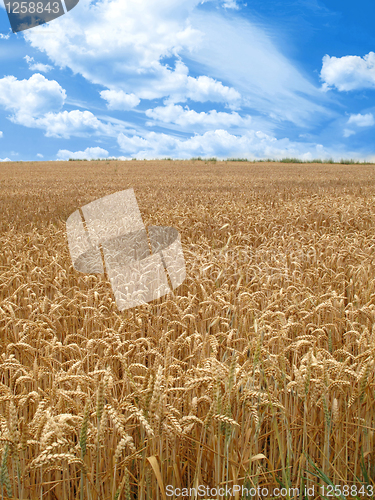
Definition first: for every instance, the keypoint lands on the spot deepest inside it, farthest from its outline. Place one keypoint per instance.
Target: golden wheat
(265, 352)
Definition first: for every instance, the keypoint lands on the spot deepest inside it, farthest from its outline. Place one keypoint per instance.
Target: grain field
(258, 371)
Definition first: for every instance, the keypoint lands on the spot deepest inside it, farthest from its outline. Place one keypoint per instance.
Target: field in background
(260, 365)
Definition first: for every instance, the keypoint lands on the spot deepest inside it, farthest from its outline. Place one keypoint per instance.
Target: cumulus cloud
(186, 117)
(231, 4)
(34, 66)
(124, 45)
(87, 154)
(120, 44)
(5, 159)
(348, 72)
(366, 120)
(68, 123)
(1, 133)
(219, 143)
(36, 102)
(175, 86)
(27, 99)
(204, 89)
(119, 100)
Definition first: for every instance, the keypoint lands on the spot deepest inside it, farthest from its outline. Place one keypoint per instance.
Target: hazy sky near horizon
(186, 78)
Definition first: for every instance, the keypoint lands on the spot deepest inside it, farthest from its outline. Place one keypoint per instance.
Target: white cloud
(219, 143)
(204, 88)
(188, 118)
(122, 46)
(231, 4)
(87, 154)
(31, 98)
(34, 103)
(33, 66)
(1, 133)
(247, 59)
(39, 155)
(348, 132)
(119, 99)
(366, 120)
(5, 159)
(136, 143)
(348, 72)
(68, 123)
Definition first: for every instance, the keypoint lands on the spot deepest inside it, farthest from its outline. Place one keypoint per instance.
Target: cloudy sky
(187, 78)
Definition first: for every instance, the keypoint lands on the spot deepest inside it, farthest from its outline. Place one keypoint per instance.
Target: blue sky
(186, 78)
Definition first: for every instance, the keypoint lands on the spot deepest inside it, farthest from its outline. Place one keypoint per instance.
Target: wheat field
(258, 371)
